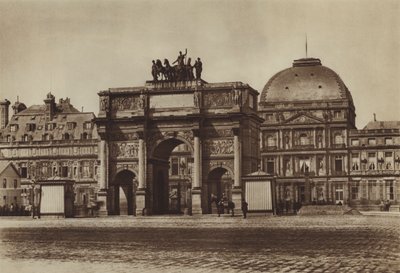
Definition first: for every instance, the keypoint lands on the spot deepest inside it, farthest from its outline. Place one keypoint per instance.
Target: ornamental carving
(156, 136)
(218, 133)
(227, 164)
(127, 103)
(105, 103)
(215, 147)
(217, 99)
(124, 136)
(124, 150)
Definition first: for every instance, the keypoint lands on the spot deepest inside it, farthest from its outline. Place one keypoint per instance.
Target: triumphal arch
(140, 127)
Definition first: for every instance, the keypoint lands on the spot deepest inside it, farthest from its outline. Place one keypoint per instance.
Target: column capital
(236, 131)
(140, 134)
(196, 132)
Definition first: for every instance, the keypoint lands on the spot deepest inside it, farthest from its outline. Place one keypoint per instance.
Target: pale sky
(77, 48)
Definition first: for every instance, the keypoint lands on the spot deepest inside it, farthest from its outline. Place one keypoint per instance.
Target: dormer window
(71, 125)
(30, 127)
(50, 126)
(87, 125)
(336, 114)
(13, 127)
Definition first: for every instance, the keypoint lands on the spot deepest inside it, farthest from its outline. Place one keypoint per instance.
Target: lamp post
(36, 198)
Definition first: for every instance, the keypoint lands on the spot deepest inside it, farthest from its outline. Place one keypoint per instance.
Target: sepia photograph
(199, 136)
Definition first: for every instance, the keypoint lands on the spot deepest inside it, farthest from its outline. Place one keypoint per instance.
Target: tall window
(64, 171)
(338, 139)
(4, 183)
(339, 193)
(355, 162)
(270, 141)
(270, 165)
(304, 139)
(354, 192)
(371, 161)
(371, 141)
(175, 166)
(388, 160)
(305, 164)
(338, 163)
(389, 190)
(24, 171)
(15, 183)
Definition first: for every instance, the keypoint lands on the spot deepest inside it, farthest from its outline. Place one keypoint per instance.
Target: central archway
(171, 163)
(123, 188)
(219, 182)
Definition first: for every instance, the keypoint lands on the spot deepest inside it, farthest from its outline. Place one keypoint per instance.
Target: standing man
(245, 207)
(198, 65)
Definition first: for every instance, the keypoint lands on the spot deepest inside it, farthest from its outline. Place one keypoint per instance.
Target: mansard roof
(376, 125)
(36, 117)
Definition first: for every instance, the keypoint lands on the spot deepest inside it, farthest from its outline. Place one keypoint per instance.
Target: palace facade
(51, 140)
(176, 147)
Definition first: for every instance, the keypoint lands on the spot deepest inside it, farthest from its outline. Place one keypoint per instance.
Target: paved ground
(201, 244)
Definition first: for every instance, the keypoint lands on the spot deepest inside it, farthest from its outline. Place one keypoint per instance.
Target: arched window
(304, 139)
(270, 141)
(338, 139)
(85, 136)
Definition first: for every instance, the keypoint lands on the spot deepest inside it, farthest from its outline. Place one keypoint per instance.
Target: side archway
(218, 185)
(123, 188)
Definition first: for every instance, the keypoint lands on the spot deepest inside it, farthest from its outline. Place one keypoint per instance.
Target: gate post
(196, 186)
(141, 191)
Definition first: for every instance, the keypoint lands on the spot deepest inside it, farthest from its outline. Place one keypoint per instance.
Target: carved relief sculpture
(215, 147)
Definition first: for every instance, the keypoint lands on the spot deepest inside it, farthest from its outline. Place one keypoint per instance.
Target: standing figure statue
(189, 70)
(154, 71)
(198, 65)
(181, 65)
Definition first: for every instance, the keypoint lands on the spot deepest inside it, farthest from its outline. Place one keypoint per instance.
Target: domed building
(308, 112)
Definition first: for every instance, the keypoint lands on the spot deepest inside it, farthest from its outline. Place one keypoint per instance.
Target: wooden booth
(57, 197)
(260, 192)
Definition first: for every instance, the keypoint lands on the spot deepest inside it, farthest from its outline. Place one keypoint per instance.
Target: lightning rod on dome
(306, 47)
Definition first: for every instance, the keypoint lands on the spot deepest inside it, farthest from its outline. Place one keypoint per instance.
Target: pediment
(303, 118)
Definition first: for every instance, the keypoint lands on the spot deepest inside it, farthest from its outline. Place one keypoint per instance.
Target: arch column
(141, 191)
(196, 184)
(103, 179)
(237, 166)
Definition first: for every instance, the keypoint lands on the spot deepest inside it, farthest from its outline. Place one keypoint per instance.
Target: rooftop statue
(182, 71)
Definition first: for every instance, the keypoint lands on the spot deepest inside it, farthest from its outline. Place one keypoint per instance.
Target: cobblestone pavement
(201, 244)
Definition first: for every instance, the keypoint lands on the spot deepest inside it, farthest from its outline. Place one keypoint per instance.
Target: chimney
(50, 106)
(374, 117)
(4, 107)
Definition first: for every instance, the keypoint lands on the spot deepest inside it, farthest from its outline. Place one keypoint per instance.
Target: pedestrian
(12, 209)
(220, 207)
(245, 207)
(387, 205)
(231, 207)
(382, 206)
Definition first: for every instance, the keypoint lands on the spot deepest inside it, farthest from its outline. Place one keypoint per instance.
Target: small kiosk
(260, 192)
(57, 197)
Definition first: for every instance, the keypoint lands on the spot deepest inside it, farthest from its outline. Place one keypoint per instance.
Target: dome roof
(307, 80)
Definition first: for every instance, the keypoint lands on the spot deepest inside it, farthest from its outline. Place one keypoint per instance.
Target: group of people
(180, 72)
(228, 205)
(15, 210)
(385, 206)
